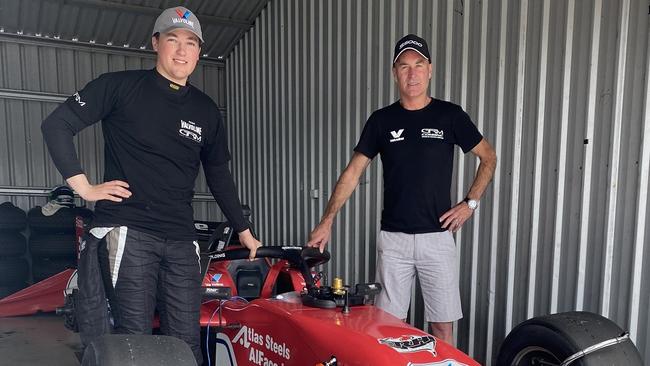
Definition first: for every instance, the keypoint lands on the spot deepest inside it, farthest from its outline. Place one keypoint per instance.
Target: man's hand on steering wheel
(248, 241)
(320, 235)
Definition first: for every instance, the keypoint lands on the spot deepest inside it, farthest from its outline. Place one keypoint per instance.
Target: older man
(415, 137)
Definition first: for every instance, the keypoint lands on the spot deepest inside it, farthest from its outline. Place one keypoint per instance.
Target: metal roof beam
(90, 47)
(154, 12)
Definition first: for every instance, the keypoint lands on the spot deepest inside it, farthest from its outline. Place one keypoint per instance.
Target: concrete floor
(37, 340)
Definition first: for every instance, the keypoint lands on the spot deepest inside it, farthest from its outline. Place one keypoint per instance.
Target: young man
(415, 137)
(158, 129)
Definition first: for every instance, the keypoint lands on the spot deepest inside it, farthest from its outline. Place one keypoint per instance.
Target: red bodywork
(44, 296)
(285, 332)
(280, 330)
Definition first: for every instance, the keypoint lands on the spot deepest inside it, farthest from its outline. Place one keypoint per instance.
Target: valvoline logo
(183, 15)
(216, 277)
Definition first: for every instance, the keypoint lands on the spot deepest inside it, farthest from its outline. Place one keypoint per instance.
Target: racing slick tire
(56, 245)
(13, 272)
(554, 338)
(43, 268)
(8, 290)
(11, 217)
(12, 244)
(138, 349)
(63, 221)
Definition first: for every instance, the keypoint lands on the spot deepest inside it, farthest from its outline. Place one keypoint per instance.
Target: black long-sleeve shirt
(156, 134)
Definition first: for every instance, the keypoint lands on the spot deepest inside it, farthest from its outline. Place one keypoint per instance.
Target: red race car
(274, 310)
(279, 315)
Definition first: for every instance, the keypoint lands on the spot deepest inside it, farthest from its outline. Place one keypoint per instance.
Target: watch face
(473, 204)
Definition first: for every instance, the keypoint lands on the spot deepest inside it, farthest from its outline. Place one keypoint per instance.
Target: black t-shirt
(417, 153)
(156, 135)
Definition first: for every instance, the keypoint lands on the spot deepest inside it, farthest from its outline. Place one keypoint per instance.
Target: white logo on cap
(183, 20)
(410, 41)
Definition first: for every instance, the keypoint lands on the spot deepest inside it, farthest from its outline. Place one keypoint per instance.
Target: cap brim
(410, 48)
(167, 30)
(51, 208)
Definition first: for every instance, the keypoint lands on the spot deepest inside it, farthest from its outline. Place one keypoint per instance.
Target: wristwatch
(472, 204)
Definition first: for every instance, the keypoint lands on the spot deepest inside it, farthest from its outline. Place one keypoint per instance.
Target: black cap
(411, 42)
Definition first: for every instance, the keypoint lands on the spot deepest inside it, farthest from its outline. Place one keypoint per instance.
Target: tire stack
(14, 269)
(52, 242)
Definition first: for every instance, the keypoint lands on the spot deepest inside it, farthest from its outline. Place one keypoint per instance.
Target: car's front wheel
(554, 339)
(138, 350)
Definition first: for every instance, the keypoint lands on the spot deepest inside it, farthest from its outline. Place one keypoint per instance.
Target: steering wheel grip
(313, 257)
(310, 256)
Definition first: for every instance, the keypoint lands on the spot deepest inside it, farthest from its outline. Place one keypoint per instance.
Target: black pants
(91, 309)
(142, 272)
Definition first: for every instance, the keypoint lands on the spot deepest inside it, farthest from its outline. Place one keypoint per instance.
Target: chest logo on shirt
(190, 130)
(397, 135)
(433, 133)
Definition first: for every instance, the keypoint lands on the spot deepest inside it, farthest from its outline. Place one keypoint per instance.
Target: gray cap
(175, 18)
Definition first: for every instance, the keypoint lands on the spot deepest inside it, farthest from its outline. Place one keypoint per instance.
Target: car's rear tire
(63, 221)
(140, 350)
(553, 338)
(9, 290)
(43, 268)
(53, 245)
(12, 218)
(12, 244)
(13, 272)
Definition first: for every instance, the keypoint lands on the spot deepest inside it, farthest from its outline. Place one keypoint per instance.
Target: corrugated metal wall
(35, 76)
(560, 88)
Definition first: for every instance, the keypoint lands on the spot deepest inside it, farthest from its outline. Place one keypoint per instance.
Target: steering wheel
(313, 257)
(302, 258)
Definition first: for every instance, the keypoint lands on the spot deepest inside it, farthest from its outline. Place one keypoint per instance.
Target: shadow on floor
(38, 340)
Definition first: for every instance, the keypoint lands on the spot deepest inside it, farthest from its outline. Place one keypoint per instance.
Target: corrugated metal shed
(560, 88)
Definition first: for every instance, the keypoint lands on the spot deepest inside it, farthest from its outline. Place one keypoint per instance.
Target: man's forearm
(79, 183)
(483, 177)
(343, 190)
(346, 184)
(58, 130)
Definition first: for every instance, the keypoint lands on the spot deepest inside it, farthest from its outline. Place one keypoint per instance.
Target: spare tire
(53, 245)
(11, 244)
(63, 221)
(43, 268)
(138, 349)
(13, 272)
(553, 338)
(11, 217)
(8, 290)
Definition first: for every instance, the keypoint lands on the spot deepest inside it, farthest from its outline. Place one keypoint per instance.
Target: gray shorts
(434, 257)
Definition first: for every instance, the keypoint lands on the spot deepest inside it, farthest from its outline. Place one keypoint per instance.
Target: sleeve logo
(77, 97)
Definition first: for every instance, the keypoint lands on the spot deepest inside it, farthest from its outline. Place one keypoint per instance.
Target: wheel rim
(535, 356)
